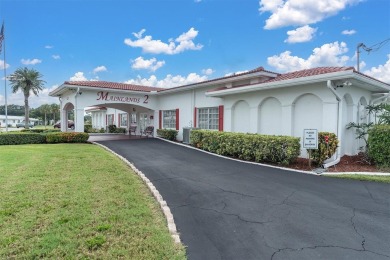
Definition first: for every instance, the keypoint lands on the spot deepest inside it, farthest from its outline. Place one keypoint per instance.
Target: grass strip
(77, 201)
(360, 177)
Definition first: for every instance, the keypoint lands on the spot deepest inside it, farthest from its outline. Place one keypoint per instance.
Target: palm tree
(27, 81)
(45, 110)
(55, 108)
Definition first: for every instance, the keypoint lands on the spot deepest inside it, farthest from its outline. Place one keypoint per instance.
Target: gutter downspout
(338, 152)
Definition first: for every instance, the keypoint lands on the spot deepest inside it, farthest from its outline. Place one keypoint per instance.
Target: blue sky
(167, 43)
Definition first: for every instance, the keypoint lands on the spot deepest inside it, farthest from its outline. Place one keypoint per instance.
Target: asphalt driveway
(225, 209)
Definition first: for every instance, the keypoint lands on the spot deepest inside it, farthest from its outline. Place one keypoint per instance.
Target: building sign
(310, 138)
(125, 99)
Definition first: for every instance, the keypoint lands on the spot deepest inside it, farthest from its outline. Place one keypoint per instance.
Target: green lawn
(376, 178)
(77, 201)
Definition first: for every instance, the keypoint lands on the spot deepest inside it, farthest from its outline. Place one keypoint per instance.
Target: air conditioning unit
(187, 134)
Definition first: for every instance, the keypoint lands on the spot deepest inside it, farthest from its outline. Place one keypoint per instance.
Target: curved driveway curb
(156, 194)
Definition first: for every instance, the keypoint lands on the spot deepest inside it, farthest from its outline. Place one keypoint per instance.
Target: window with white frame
(208, 118)
(169, 119)
(123, 119)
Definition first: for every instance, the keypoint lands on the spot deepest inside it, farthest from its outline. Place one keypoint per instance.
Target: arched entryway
(241, 117)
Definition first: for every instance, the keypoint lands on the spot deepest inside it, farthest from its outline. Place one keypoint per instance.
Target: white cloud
(30, 62)
(330, 54)
(197, 1)
(208, 72)
(169, 81)
(301, 34)
(78, 76)
(3, 65)
(56, 57)
(99, 69)
(348, 32)
(34, 101)
(382, 72)
(300, 12)
(49, 47)
(152, 64)
(183, 42)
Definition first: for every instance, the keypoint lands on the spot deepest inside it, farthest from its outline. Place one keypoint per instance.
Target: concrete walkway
(226, 209)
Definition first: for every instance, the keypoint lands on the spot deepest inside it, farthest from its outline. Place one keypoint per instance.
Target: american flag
(1, 37)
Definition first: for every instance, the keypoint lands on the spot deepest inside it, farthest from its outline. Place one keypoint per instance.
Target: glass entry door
(143, 121)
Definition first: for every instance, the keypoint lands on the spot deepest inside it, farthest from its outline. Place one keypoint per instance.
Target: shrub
(120, 130)
(39, 130)
(169, 134)
(111, 128)
(250, 147)
(14, 138)
(379, 145)
(88, 128)
(325, 150)
(65, 137)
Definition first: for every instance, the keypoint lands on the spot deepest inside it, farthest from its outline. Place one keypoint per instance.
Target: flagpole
(5, 84)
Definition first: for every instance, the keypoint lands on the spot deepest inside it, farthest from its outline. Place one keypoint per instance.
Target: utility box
(187, 134)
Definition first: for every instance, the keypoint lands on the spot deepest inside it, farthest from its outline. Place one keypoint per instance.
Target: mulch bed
(356, 163)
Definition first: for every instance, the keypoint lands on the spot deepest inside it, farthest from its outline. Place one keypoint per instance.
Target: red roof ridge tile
(112, 85)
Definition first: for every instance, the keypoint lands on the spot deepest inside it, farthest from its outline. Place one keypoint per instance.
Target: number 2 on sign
(146, 99)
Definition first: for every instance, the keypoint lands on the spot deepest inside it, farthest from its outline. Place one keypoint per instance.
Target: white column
(227, 120)
(253, 119)
(79, 120)
(287, 123)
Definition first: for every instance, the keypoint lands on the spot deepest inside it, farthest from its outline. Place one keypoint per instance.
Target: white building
(257, 101)
(13, 120)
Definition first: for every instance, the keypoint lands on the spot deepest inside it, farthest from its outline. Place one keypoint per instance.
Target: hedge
(379, 145)
(325, 150)
(65, 137)
(250, 147)
(13, 138)
(39, 130)
(169, 134)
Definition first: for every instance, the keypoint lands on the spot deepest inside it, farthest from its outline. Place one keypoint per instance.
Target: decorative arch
(307, 114)
(241, 117)
(270, 117)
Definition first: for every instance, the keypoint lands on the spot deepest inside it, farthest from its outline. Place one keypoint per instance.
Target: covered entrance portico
(132, 105)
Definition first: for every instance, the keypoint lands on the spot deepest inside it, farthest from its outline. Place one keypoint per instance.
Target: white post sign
(310, 138)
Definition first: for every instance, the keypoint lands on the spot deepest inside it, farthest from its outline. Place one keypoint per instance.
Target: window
(169, 119)
(208, 118)
(123, 119)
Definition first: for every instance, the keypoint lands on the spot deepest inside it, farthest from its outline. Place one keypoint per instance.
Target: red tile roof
(112, 85)
(302, 74)
(309, 72)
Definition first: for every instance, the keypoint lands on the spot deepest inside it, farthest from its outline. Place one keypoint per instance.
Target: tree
(45, 110)
(28, 81)
(55, 109)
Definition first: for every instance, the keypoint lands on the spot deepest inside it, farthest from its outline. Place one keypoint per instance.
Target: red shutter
(119, 120)
(177, 119)
(220, 112)
(160, 119)
(195, 111)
